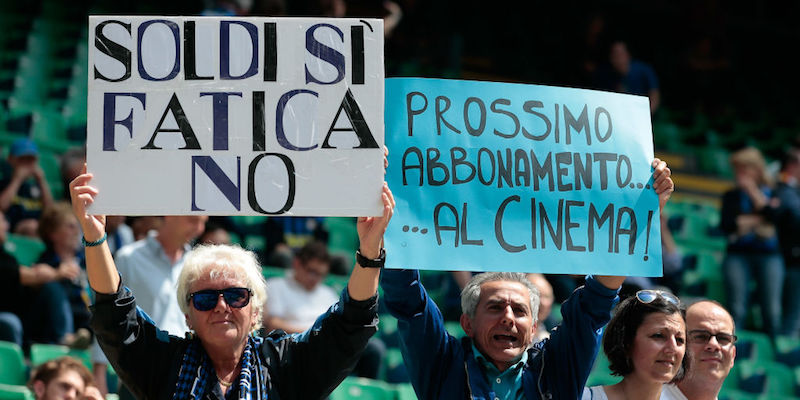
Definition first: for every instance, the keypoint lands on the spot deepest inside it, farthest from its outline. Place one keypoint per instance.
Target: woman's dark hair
(621, 332)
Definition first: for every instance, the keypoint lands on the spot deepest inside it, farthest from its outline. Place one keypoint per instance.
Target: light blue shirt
(506, 385)
(153, 279)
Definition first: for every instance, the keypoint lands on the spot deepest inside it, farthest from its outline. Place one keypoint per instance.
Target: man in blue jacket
(498, 359)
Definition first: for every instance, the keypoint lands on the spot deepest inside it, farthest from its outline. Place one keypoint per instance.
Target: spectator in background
(227, 8)
(299, 298)
(25, 192)
(784, 211)
(64, 378)
(119, 233)
(45, 311)
(645, 343)
(214, 233)
(711, 351)
(72, 162)
(61, 234)
(142, 225)
(752, 253)
(285, 235)
(546, 299)
(625, 74)
(150, 268)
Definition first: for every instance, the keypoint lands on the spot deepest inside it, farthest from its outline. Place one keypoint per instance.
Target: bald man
(711, 349)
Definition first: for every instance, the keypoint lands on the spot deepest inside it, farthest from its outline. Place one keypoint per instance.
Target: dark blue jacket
(443, 367)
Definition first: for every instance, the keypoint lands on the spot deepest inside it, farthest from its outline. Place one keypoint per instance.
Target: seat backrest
(12, 368)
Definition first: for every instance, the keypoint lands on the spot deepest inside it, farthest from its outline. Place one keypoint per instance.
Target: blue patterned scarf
(196, 371)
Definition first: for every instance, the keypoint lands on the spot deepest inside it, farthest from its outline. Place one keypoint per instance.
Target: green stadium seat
(387, 330)
(13, 370)
(353, 388)
(272, 272)
(732, 394)
(337, 282)
(754, 346)
(342, 237)
(15, 392)
(601, 374)
(41, 353)
(787, 350)
(255, 243)
(51, 165)
(394, 367)
(454, 329)
(405, 392)
(25, 249)
(764, 377)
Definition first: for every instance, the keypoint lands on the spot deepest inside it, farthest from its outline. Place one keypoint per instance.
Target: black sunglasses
(236, 297)
(648, 296)
(700, 336)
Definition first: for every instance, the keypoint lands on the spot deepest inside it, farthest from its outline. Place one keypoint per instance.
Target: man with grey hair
(498, 359)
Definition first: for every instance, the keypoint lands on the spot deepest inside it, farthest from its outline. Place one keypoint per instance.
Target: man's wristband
(97, 242)
(370, 263)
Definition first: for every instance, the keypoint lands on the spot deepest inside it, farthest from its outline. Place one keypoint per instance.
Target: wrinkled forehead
(504, 291)
(219, 277)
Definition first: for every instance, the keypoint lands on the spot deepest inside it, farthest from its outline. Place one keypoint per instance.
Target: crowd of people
(108, 283)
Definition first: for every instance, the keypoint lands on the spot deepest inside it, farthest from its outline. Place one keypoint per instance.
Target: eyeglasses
(649, 296)
(700, 336)
(205, 300)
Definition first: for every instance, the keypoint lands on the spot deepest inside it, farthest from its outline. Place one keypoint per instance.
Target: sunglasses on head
(205, 300)
(648, 296)
(700, 336)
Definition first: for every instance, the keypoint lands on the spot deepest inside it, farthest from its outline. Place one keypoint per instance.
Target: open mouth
(507, 340)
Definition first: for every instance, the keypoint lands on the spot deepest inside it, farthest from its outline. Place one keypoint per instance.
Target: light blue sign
(508, 177)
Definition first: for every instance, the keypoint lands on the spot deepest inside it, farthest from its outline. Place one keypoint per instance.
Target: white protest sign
(229, 116)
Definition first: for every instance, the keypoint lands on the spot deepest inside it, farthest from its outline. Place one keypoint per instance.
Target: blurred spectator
(150, 268)
(625, 74)
(63, 378)
(299, 298)
(784, 211)
(390, 11)
(546, 299)
(142, 225)
(119, 234)
(269, 8)
(61, 234)
(752, 253)
(214, 234)
(594, 46)
(21, 282)
(72, 162)
(227, 8)
(284, 235)
(25, 192)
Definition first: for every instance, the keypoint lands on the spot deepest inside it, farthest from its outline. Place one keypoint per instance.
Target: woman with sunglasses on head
(222, 292)
(645, 343)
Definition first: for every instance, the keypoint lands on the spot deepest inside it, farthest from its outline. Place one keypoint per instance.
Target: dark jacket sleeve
(428, 350)
(311, 364)
(728, 212)
(570, 351)
(144, 357)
